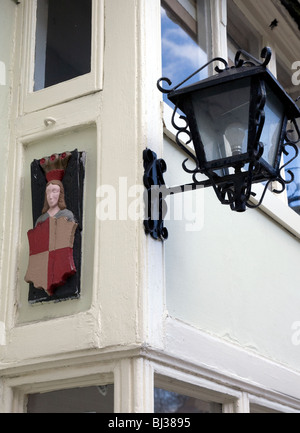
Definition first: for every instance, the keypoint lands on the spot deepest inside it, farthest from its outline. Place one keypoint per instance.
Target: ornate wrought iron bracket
(155, 205)
(156, 193)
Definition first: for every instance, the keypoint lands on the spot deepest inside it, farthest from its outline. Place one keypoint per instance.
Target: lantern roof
(233, 74)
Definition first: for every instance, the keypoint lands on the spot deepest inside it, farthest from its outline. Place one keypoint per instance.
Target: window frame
(190, 386)
(186, 18)
(58, 399)
(41, 382)
(237, 385)
(91, 82)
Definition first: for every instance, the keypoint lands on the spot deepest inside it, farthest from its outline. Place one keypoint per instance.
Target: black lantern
(237, 120)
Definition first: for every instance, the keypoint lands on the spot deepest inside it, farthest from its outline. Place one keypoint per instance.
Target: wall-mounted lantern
(239, 121)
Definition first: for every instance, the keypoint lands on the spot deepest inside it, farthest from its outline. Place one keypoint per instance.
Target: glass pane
(183, 49)
(222, 116)
(171, 402)
(63, 41)
(95, 399)
(293, 188)
(272, 128)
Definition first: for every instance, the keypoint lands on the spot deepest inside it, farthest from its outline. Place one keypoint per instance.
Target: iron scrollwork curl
(259, 119)
(286, 153)
(252, 61)
(281, 179)
(182, 131)
(169, 82)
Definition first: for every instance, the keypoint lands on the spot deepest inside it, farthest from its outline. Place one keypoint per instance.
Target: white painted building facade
(213, 312)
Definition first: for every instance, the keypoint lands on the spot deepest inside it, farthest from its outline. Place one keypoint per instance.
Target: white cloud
(181, 55)
(183, 52)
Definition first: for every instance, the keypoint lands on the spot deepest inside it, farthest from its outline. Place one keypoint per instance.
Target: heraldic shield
(51, 260)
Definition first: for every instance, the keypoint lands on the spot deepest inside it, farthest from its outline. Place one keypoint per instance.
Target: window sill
(275, 208)
(272, 205)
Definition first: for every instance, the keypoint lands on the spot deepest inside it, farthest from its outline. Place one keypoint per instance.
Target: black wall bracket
(156, 193)
(155, 205)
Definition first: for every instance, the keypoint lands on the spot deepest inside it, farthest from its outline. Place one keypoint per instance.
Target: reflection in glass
(293, 189)
(273, 124)
(171, 402)
(181, 54)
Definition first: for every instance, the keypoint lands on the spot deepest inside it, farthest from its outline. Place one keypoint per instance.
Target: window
(248, 39)
(172, 402)
(184, 41)
(62, 51)
(293, 188)
(63, 41)
(95, 399)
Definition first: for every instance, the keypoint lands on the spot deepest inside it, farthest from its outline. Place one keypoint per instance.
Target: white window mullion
(218, 9)
(242, 405)
(134, 386)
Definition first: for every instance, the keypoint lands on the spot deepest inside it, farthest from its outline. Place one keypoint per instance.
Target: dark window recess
(94, 399)
(63, 41)
(172, 402)
(73, 183)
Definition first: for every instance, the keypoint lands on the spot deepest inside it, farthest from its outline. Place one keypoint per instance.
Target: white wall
(236, 278)
(7, 37)
(6, 51)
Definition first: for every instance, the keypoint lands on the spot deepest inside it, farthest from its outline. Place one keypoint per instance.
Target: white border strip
(231, 365)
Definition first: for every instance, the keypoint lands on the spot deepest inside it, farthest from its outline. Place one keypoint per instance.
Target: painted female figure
(51, 240)
(54, 204)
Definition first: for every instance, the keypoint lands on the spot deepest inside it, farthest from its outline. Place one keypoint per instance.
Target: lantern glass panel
(271, 133)
(222, 117)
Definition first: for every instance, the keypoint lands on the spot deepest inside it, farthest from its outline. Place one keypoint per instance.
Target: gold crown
(54, 166)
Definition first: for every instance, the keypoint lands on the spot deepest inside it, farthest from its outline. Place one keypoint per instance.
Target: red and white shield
(51, 254)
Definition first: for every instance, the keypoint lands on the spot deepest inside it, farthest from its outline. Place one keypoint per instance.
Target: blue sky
(181, 56)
